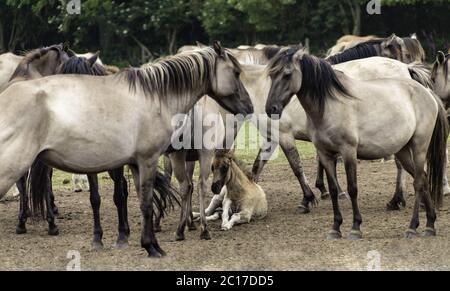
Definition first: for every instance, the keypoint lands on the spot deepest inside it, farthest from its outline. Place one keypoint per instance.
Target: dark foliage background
(132, 32)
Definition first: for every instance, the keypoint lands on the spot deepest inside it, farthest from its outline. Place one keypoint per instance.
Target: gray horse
(86, 124)
(365, 120)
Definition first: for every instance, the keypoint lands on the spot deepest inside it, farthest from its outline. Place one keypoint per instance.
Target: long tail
(38, 182)
(165, 196)
(422, 74)
(436, 156)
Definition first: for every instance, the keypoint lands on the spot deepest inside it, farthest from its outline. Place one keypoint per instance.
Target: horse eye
(287, 76)
(224, 169)
(212, 168)
(237, 74)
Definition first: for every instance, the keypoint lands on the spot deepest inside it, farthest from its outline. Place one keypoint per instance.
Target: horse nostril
(274, 109)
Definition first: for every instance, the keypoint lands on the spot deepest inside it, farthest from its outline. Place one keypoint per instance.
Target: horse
(406, 50)
(441, 77)
(344, 117)
(112, 120)
(10, 62)
(83, 66)
(345, 40)
(242, 197)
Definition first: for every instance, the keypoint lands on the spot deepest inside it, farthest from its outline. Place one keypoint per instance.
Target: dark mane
(225, 153)
(174, 75)
(319, 80)
(80, 66)
(31, 56)
(360, 51)
(271, 51)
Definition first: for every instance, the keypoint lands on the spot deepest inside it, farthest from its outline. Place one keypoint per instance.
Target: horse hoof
(55, 211)
(343, 195)
(411, 233)
(97, 245)
(21, 229)
(392, 206)
(205, 235)
(121, 245)
(303, 209)
(192, 227)
(179, 236)
(355, 235)
(429, 232)
(53, 231)
(154, 251)
(334, 235)
(157, 228)
(325, 196)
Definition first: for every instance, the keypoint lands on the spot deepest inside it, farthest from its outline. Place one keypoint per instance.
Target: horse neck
(237, 182)
(184, 103)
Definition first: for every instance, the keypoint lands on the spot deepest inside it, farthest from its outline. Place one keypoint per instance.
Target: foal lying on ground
(242, 198)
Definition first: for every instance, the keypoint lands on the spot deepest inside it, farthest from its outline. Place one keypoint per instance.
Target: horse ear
(200, 45)
(93, 59)
(440, 59)
(414, 35)
(218, 48)
(71, 53)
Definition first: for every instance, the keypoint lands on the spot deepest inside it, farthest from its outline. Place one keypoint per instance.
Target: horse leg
(24, 209)
(205, 160)
(226, 205)
(120, 200)
(178, 160)
(446, 187)
(146, 173)
(328, 162)
(238, 218)
(422, 188)
(320, 183)
(95, 199)
(398, 199)
(350, 162)
(264, 155)
(49, 200)
(190, 167)
(406, 159)
(216, 201)
(51, 194)
(288, 146)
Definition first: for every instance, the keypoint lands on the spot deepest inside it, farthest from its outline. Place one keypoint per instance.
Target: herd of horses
(370, 98)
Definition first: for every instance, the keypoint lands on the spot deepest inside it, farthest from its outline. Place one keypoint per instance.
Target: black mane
(319, 80)
(80, 66)
(361, 51)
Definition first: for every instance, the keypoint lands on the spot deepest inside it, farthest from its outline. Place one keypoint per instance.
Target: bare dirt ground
(285, 240)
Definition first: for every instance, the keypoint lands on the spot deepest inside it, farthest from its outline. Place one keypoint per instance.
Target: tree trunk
(172, 40)
(355, 10)
(2, 39)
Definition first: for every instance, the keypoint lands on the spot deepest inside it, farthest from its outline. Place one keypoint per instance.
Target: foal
(242, 197)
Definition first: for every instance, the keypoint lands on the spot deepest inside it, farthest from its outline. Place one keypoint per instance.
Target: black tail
(165, 196)
(436, 156)
(38, 187)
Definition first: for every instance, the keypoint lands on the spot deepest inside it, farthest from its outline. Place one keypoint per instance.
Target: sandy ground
(285, 240)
